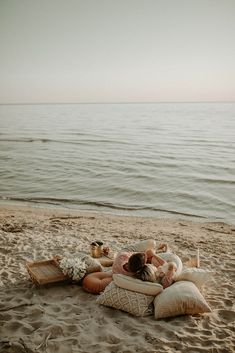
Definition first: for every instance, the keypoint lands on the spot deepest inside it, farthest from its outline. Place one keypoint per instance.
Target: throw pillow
(136, 285)
(137, 304)
(198, 276)
(181, 298)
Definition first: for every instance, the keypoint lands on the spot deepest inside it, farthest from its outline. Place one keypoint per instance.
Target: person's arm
(154, 259)
(149, 255)
(157, 261)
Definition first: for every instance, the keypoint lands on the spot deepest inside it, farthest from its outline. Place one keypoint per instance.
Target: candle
(198, 258)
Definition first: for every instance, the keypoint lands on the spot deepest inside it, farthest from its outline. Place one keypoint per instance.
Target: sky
(82, 51)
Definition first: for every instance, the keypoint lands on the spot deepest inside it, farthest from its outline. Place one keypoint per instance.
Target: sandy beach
(63, 318)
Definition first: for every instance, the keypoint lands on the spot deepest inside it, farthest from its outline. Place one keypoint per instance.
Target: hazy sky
(117, 50)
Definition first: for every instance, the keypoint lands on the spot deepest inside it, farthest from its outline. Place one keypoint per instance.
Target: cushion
(196, 275)
(180, 298)
(136, 285)
(170, 257)
(96, 282)
(141, 246)
(137, 304)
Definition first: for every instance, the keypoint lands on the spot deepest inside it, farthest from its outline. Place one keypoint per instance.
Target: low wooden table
(45, 272)
(48, 271)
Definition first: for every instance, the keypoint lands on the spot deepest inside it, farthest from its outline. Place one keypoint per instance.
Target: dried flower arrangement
(73, 267)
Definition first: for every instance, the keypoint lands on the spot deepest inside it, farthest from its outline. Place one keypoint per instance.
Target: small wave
(216, 181)
(98, 204)
(17, 140)
(24, 140)
(80, 142)
(34, 200)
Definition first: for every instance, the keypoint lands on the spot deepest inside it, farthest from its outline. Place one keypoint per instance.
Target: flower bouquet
(73, 267)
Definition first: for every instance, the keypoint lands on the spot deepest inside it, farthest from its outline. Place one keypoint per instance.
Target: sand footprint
(227, 315)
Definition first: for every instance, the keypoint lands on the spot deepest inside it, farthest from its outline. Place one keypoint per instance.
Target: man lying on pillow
(143, 265)
(163, 274)
(146, 266)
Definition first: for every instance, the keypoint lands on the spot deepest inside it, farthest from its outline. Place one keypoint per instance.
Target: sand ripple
(65, 319)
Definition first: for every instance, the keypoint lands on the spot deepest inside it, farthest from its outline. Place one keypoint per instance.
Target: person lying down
(146, 266)
(162, 274)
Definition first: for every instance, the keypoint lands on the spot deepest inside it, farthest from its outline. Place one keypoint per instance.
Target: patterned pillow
(134, 303)
(136, 285)
(141, 246)
(196, 275)
(181, 298)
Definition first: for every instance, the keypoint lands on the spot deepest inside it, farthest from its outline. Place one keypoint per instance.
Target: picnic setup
(74, 282)
(97, 273)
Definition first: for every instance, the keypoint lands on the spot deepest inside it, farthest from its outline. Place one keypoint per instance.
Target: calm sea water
(135, 159)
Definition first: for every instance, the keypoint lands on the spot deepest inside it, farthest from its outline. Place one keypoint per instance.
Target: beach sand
(62, 318)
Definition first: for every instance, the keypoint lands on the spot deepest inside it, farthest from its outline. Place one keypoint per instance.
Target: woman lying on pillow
(146, 266)
(161, 274)
(127, 263)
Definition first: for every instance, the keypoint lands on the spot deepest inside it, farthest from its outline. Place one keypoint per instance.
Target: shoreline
(160, 214)
(64, 318)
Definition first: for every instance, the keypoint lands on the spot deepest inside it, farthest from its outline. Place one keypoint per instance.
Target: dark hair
(136, 262)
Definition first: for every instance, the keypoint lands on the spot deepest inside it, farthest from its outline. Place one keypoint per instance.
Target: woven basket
(45, 272)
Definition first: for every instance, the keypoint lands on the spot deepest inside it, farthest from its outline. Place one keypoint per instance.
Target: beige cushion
(181, 298)
(170, 257)
(136, 285)
(198, 276)
(141, 246)
(137, 304)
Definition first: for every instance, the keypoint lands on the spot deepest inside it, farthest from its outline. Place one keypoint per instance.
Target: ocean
(164, 159)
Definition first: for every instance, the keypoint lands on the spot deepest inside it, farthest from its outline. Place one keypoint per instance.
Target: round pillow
(170, 257)
(96, 282)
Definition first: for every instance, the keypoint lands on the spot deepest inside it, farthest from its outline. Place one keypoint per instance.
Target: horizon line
(118, 102)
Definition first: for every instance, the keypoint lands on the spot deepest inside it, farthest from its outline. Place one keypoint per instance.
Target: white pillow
(198, 276)
(170, 257)
(180, 298)
(141, 246)
(136, 285)
(137, 304)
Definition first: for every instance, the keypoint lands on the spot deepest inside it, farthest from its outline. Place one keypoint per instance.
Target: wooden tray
(45, 272)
